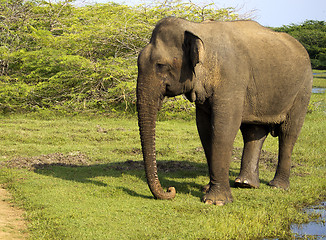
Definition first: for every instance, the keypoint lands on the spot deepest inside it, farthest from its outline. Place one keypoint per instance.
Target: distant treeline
(312, 34)
(71, 59)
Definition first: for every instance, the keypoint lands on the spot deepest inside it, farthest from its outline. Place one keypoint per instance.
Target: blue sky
(273, 13)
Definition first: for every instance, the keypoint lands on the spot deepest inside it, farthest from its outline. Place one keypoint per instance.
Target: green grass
(108, 198)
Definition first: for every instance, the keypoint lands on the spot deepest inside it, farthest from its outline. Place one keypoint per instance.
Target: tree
(58, 56)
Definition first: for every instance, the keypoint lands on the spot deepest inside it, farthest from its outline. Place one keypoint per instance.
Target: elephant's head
(166, 67)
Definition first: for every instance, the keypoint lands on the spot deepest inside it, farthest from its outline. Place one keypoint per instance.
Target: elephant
(240, 75)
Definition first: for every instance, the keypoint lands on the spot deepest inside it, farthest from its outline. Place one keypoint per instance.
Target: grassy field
(81, 177)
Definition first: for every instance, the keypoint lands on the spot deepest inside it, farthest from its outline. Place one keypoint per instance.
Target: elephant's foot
(216, 196)
(247, 182)
(205, 188)
(279, 183)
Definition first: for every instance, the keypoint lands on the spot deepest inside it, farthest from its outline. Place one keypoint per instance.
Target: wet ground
(316, 229)
(318, 90)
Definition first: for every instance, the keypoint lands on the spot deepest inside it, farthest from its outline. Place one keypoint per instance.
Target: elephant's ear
(195, 48)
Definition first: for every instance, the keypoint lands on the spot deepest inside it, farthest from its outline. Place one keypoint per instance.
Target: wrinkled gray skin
(240, 75)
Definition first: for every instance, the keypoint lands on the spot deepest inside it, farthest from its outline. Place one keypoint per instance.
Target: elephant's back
(276, 67)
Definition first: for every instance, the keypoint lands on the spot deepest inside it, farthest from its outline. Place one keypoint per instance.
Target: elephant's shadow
(171, 173)
(179, 171)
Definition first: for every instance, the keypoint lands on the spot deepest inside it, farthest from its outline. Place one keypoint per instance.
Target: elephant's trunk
(147, 106)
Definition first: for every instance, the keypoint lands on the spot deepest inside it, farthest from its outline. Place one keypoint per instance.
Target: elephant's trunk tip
(168, 195)
(172, 192)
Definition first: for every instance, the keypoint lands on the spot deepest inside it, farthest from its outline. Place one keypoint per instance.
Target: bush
(71, 58)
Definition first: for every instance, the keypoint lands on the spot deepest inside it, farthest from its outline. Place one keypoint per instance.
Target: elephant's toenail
(209, 202)
(219, 203)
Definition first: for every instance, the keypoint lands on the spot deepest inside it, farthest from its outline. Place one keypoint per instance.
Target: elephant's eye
(162, 67)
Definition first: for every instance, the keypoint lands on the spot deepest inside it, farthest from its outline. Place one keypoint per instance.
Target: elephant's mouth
(170, 91)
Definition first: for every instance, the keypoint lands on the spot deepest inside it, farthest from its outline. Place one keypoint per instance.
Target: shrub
(71, 58)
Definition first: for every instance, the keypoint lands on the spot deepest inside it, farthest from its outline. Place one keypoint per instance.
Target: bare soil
(12, 224)
(267, 160)
(72, 159)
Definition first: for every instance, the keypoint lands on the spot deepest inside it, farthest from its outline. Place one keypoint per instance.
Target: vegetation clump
(58, 56)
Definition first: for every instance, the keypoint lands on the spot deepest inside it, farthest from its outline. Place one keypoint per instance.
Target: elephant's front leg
(224, 124)
(204, 127)
(219, 192)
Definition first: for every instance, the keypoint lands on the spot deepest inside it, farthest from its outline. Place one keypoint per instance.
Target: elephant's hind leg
(253, 138)
(281, 179)
(288, 134)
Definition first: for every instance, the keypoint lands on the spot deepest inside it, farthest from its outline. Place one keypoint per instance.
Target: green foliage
(312, 34)
(70, 81)
(58, 56)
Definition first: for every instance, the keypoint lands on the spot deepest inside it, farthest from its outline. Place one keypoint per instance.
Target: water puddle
(318, 90)
(316, 229)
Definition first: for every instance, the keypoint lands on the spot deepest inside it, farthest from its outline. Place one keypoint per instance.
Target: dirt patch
(133, 151)
(163, 166)
(77, 159)
(12, 224)
(55, 159)
(267, 160)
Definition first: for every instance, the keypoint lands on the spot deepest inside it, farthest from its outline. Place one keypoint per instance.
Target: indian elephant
(240, 76)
